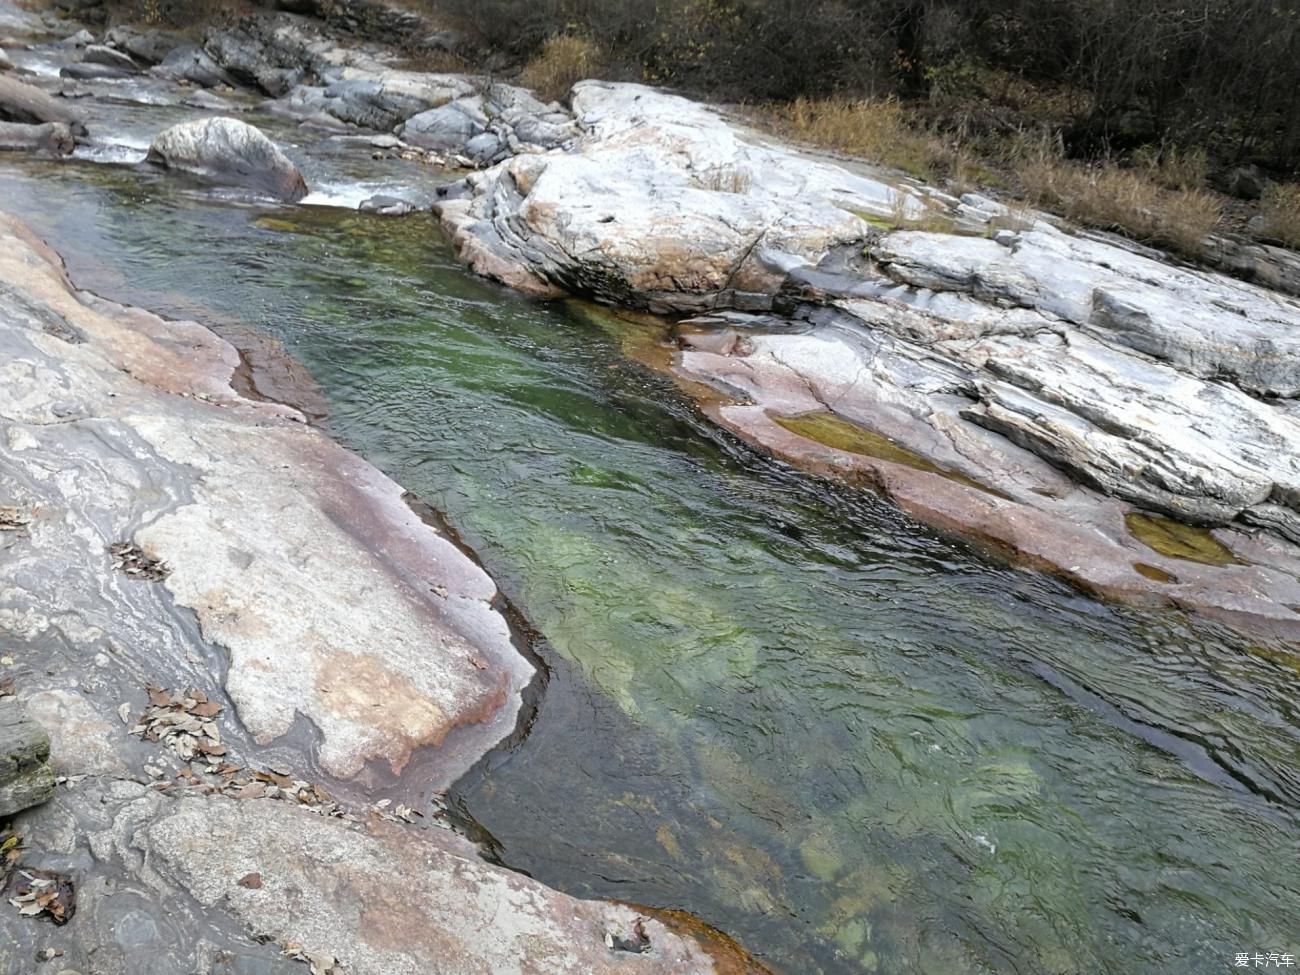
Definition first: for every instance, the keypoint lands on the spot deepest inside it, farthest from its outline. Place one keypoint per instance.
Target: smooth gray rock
(447, 128)
(209, 102)
(100, 54)
(385, 100)
(486, 148)
(81, 38)
(91, 71)
(191, 63)
(148, 46)
(231, 152)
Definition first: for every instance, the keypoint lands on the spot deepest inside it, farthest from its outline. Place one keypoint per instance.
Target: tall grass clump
(564, 60)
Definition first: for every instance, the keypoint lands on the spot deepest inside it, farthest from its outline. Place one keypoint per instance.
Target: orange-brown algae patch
(729, 957)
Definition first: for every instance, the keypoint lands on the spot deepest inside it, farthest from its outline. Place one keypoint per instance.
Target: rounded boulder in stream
(230, 152)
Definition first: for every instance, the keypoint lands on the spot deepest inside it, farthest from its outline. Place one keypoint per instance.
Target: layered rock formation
(1030, 386)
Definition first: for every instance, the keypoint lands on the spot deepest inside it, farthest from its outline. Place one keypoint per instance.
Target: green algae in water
(1153, 572)
(1178, 541)
(835, 431)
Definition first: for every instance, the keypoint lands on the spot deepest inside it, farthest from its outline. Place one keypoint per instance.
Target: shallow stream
(851, 743)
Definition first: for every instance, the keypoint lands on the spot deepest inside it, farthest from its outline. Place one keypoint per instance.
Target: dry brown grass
(874, 128)
(1279, 211)
(565, 60)
(1127, 201)
(1174, 168)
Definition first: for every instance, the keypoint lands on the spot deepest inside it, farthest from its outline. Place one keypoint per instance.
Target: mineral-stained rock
(259, 521)
(26, 778)
(385, 903)
(232, 152)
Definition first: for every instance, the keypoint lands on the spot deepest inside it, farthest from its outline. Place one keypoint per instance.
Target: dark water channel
(849, 742)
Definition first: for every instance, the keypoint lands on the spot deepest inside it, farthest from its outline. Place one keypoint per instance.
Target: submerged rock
(52, 137)
(388, 206)
(231, 152)
(337, 647)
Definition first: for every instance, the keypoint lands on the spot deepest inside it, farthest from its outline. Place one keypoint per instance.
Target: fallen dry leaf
(253, 881)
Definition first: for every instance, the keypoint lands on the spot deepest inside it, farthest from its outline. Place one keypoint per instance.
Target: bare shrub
(874, 128)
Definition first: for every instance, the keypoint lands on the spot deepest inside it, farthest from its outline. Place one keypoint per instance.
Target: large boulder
(387, 99)
(232, 152)
(446, 128)
(147, 46)
(271, 59)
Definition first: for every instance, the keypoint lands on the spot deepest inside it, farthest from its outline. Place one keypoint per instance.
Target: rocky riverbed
(238, 638)
(1089, 407)
(246, 646)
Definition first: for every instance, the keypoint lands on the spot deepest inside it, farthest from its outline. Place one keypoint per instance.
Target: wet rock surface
(166, 532)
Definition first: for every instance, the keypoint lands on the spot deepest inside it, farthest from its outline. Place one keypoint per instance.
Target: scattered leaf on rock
(253, 881)
(132, 560)
(14, 519)
(182, 722)
(43, 892)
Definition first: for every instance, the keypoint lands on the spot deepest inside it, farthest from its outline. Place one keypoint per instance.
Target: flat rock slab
(382, 902)
(329, 596)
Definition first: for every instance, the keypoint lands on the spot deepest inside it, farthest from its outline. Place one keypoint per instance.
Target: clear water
(851, 743)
